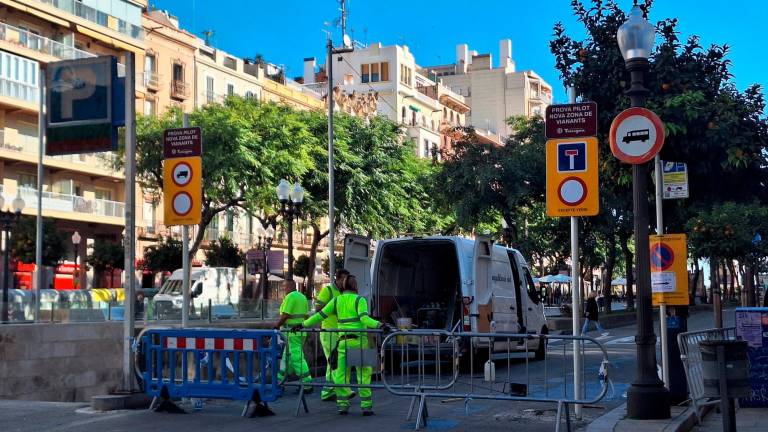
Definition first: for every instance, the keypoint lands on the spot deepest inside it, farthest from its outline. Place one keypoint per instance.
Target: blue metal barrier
(212, 363)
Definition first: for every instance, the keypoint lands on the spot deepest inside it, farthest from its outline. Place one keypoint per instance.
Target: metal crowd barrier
(692, 363)
(210, 363)
(423, 364)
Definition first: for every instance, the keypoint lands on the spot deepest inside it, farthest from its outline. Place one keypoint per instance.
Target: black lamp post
(8, 219)
(291, 198)
(264, 245)
(647, 398)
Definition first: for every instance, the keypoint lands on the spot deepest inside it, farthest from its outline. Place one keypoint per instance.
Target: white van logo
(501, 278)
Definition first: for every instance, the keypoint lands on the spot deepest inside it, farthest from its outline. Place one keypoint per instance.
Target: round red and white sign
(182, 203)
(572, 191)
(636, 136)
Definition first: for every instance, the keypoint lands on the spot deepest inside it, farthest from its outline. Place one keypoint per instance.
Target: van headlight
(178, 302)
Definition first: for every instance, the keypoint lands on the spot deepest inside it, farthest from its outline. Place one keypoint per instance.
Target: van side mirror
(198, 290)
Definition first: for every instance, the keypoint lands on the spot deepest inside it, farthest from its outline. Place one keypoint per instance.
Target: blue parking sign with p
(572, 157)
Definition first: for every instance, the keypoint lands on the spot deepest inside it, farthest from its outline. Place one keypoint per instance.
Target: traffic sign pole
(130, 225)
(663, 306)
(576, 299)
(185, 294)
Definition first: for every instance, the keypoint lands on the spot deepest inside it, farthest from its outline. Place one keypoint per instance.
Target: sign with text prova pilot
(82, 104)
(571, 120)
(182, 176)
(572, 182)
(669, 272)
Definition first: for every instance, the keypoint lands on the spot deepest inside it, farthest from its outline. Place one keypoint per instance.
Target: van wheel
(541, 351)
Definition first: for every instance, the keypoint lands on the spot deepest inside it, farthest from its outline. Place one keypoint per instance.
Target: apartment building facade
(80, 192)
(427, 109)
(494, 93)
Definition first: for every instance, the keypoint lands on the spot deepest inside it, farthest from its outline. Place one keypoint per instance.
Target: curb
(115, 402)
(683, 421)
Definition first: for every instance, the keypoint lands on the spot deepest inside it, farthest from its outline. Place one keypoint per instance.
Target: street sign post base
(648, 401)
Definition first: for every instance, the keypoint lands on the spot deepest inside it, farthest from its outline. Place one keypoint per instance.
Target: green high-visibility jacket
(326, 294)
(350, 310)
(296, 306)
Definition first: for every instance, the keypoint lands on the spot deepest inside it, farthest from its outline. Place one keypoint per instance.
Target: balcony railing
(19, 90)
(151, 80)
(72, 203)
(94, 15)
(41, 44)
(179, 89)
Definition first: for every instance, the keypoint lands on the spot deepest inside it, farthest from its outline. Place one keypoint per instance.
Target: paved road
(445, 414)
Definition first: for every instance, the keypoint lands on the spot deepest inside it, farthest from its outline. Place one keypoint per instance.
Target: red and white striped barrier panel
(229, 344)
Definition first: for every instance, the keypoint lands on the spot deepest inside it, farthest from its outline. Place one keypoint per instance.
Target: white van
(220, 285)
(450, 283)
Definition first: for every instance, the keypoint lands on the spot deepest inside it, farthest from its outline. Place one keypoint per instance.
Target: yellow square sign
(572, 186)
(669, 269)
(183, 190)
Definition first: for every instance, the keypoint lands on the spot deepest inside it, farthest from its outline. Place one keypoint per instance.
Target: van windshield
(173, 286)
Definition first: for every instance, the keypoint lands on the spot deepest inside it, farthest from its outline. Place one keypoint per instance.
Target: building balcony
(150, 80)
(71, 203)
(27, 94)
(26, 147)
(77, 8)
(40, 44)
(179, 89)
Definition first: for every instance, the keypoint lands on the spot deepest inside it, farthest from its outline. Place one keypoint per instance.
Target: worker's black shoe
(331, 398)
(367, 413)
(343, 412)
(308, 390)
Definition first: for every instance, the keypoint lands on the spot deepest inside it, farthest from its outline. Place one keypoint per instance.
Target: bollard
(109, 311)
(53, 310)
(210, 314)
(146, 311)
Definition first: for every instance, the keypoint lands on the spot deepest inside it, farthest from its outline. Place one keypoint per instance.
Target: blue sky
(285, 32)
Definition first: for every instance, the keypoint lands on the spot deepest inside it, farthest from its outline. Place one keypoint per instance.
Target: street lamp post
(8, 218)
(647, 398)
(76, 242)
(291, 198)
(265, 244)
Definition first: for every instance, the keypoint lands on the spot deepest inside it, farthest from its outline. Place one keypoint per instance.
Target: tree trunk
(610, 262)
(629, 259)
(715, 288)
(732, 271)
(317, 236)
(749, 288)
(694, 283)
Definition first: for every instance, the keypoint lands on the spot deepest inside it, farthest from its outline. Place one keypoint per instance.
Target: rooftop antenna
(343, 16)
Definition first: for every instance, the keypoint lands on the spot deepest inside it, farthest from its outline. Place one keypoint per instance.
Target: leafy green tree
(247, 147)
(23, 242)
(719, 131)
(107, 256)
(301, 266)
(163, 256)
(224, 253)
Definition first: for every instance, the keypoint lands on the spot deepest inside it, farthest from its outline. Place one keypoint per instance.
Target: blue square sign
(572, 157)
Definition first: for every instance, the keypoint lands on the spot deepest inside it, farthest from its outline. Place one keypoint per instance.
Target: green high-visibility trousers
(294, 361)
(343, 374)
(328, 341)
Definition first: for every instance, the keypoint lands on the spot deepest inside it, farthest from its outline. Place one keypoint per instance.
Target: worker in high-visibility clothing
(329, 339)
(351, 311)
(293, 311)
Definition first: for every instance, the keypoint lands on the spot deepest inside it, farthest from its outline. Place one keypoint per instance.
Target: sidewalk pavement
(682, 420)
(747, 420)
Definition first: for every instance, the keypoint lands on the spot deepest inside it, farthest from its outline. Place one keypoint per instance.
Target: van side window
(533, 293)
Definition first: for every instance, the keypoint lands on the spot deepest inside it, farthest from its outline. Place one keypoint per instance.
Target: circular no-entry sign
(182, 174)
(182, 203)
(636, 135)
(572, 191)
(662, 257)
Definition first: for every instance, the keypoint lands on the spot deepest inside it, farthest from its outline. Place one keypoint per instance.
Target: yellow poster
(669, 269)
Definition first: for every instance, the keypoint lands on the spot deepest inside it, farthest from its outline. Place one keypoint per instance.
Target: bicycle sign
(636, 135)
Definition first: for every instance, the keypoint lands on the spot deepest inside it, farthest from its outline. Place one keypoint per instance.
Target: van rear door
(481, 276)
(357, 260)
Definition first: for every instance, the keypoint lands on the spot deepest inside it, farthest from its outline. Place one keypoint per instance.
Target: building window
(249, 95)
(404, 114)
(230, 89)
(230, 221)
(149, 107)
(413, 118)
(405, 75)
(426, 148)
(27, 181)
(374, 72)
(209, 89)
(149, 215)
(102, 194)
(230, 63)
